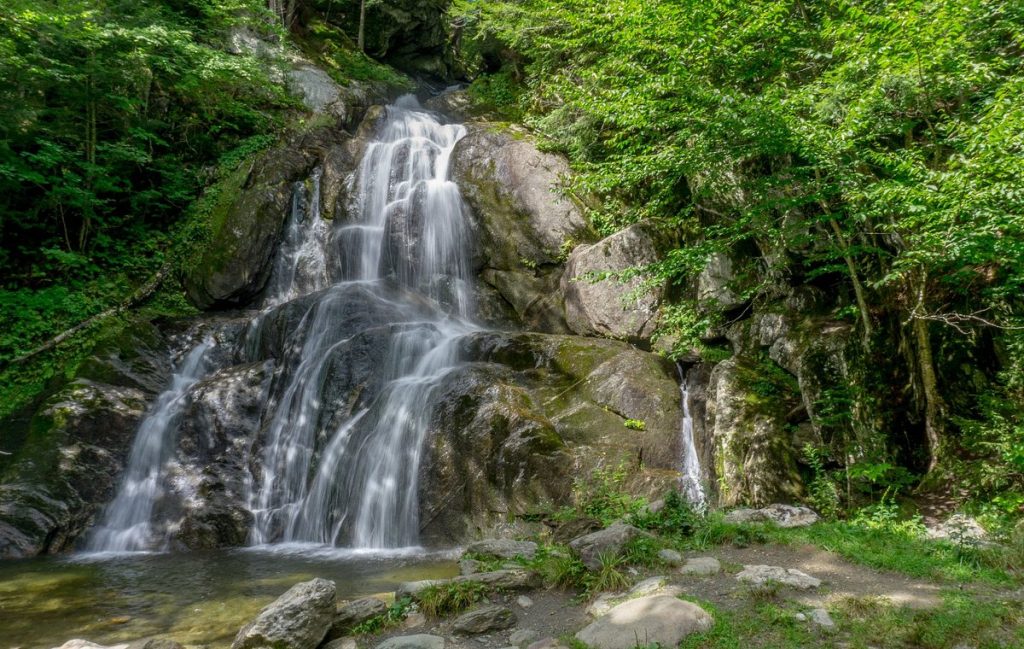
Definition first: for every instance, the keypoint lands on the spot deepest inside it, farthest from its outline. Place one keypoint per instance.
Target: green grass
(890, 550)
(864, 622)
(451, 598)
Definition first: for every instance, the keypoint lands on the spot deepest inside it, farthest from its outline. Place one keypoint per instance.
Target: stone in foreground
(522, 637)
(355, 613)
(299, 619)
(701, 566)
(658, 619)
(821, 617)
(420, 641)
(781, 515)
(484, 619)
(762, 576)
(671, 557)
(603, 543)
(659, 585)
(503, 549)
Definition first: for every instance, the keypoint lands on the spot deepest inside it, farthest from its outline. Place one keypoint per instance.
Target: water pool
(198, 598)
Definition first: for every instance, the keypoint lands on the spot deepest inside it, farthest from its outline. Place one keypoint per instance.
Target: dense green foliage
(871, 149)
(113, 113)
(117, 116)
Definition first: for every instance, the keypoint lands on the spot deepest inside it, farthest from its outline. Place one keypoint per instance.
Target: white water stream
(691, 484)
(320, 476)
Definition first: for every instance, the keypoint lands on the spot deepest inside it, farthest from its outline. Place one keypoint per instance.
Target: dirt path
(555, 613)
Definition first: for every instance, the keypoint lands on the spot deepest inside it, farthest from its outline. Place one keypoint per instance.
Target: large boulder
(299, 619)
(600, 305)
(512, 429)
(525, 226)
(656, 620)
(755, 453)
(606, 543)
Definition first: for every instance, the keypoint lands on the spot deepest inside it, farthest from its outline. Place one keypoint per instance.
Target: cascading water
(388, 288)
(690, 483)
(360, 488)
(126, 525)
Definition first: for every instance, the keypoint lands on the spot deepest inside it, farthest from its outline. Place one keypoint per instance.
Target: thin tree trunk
(934, 406)
(361, 40)
(858, 288)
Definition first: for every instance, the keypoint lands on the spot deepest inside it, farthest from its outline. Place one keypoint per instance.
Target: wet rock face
(206, 487)
(530, 412)
(68, 465)
(247, 226)
(611, 307)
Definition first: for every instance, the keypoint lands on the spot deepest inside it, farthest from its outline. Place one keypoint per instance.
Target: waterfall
(360, 488)
(386, 291)
(126, 523)
(690, 483)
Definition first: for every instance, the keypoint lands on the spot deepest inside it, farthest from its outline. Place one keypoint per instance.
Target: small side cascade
(126, 523)
(301, 264)
(690, 482)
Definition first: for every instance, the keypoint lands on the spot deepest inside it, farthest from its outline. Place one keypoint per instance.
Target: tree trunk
(361, 41)
(934, 407)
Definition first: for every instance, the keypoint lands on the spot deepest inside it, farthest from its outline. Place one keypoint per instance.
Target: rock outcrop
(601, 305)
(76, 445)
(525, 227)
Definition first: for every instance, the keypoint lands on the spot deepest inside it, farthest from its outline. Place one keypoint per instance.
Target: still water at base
(199, 598)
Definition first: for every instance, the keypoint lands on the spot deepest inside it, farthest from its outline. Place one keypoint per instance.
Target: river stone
(412, 589)
(610, 307)
(646, 621)
(484, 619)
(524, 602)
(299, 619)
(522, 637)
(355, 613)
(607, 542)
(669, 556)
(761, 576)
(78, 643)
(503, 549)
(703, 566)
(419, 641)
(781, 515)
(470, 566)
(822, 618)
